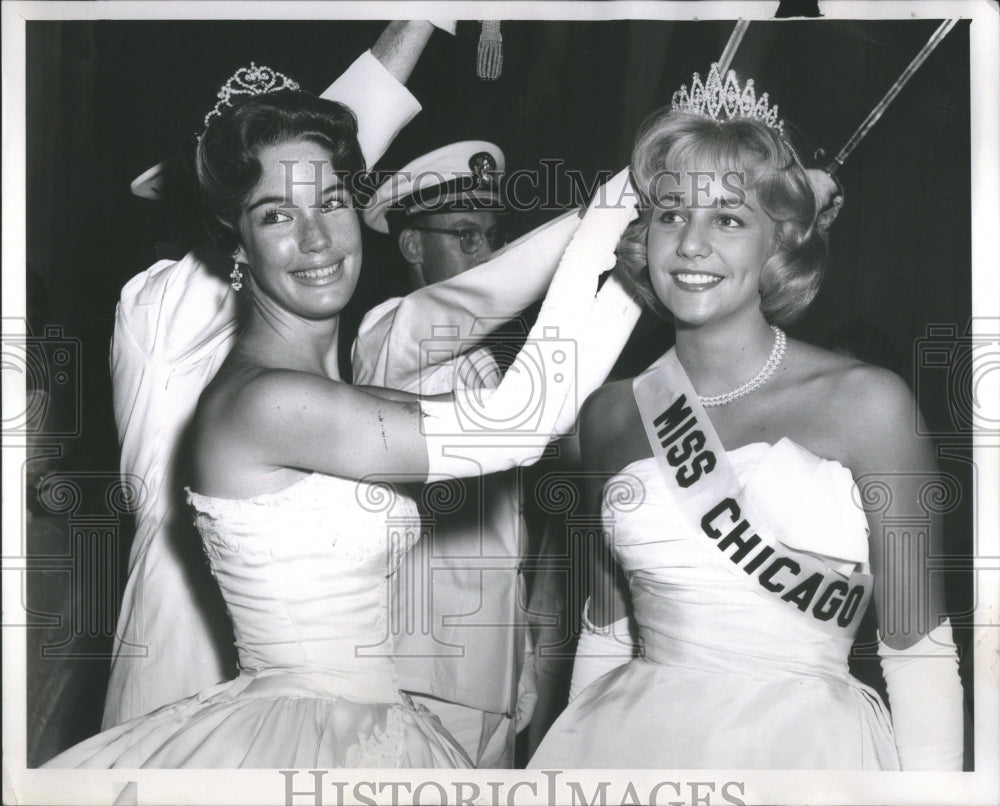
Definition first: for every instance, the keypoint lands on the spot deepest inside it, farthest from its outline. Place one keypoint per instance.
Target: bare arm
(895, 466)
(290, 419)
(607, 633)
(300, 420)
(400, 45)
(609, 601)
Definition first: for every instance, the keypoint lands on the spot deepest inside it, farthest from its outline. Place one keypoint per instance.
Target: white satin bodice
(693, 610)
(728, 676)
(305, 574)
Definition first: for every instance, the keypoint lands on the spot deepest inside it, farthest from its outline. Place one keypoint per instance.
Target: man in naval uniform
(459, 635)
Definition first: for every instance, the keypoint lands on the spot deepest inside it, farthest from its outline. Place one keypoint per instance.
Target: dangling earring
(236, 276)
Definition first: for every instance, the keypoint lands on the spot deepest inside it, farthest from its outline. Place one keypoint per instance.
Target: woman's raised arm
(300, 420)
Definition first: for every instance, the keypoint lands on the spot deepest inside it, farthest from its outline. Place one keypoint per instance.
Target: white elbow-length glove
(612, 317)
(484, 431)
(925, 695)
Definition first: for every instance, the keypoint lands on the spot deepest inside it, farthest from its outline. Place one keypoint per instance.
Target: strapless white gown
(305, 574)
(728, 678)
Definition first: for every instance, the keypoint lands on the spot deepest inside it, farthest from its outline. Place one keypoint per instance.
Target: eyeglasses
(471, 239)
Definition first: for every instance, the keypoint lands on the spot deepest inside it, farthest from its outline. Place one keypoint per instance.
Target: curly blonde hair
(769, 167)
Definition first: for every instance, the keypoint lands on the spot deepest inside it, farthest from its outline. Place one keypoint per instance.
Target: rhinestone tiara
(252, 80)
(726, 100)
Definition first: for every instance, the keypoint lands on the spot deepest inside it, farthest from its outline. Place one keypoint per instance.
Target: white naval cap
(455, 176)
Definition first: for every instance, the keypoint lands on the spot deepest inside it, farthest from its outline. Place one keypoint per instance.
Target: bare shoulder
(867, 409)
(258, 396)
(847, 381)
(870, 395)
(878, 394)
(218, 447)
(244, 404)
(249, 420)
(237, 391)
(886, 423)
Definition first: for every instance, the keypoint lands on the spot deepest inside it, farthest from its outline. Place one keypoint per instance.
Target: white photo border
(515, 786)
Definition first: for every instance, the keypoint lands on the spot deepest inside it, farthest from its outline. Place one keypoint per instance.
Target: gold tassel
(490, 61)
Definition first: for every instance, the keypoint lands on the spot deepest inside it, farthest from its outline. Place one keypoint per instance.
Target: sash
(694, 464)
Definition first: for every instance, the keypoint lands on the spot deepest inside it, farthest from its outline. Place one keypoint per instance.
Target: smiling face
(299, 232)
(707, 242)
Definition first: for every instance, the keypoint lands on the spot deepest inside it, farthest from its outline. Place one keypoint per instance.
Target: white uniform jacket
(458, 626)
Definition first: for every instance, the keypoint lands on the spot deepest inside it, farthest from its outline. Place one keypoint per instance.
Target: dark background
(108, 99)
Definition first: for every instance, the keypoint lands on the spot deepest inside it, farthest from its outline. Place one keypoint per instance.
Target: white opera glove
(612, 318)
(592, 250)
(925, 696)
(599, 650)
(484, 431)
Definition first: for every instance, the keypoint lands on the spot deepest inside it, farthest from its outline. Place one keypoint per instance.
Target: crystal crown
(252, 80)
(726, 100)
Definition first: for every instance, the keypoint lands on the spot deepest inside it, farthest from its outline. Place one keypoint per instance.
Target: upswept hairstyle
(226, 159)
(674, 141)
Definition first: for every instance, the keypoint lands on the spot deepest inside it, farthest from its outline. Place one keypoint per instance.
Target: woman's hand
(829, 197)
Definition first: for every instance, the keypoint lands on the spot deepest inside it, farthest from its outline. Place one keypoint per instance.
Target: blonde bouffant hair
(768, 166)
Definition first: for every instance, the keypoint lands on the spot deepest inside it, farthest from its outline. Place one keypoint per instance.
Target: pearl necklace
(758, 380)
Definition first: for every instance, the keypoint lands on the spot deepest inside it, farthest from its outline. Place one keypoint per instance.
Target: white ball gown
(728, 677)
(305, 574)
